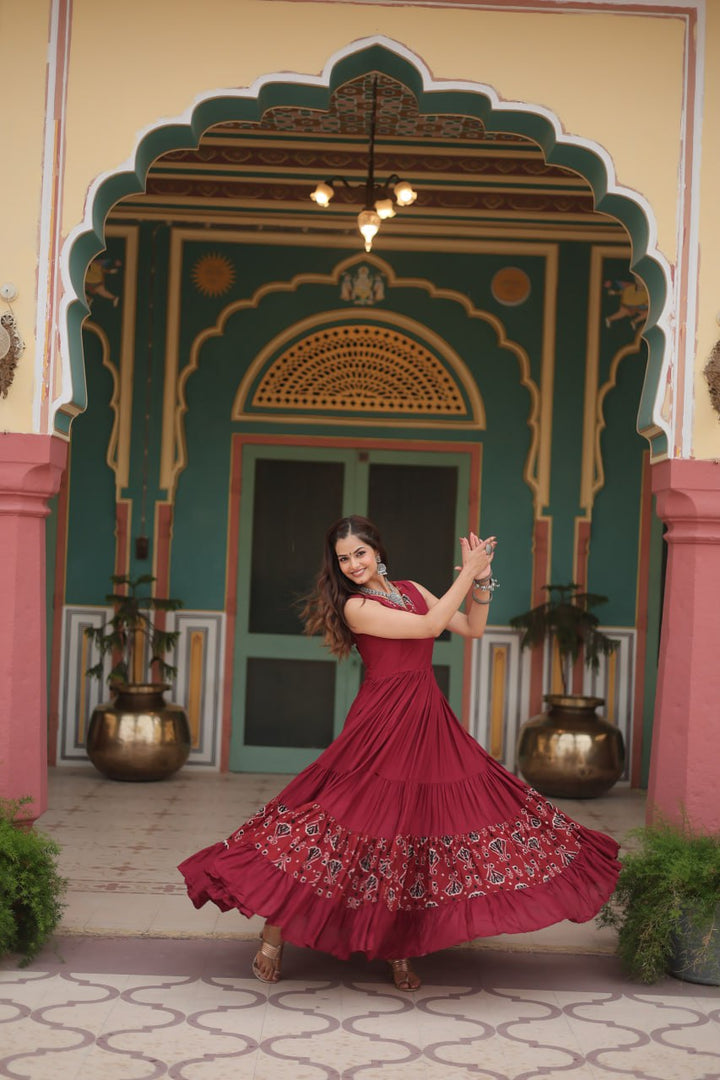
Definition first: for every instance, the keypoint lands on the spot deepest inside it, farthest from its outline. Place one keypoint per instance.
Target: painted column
(686, 747)
(31, 467)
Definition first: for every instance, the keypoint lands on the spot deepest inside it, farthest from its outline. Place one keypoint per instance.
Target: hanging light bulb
(368, 224)
(405, 194)
(384, 209)
(378, 198)
(322, 194)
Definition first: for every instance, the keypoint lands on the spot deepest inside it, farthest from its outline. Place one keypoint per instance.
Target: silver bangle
(476, 601)
(487, 584)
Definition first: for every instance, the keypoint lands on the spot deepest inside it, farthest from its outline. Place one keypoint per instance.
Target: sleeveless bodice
(383, 657)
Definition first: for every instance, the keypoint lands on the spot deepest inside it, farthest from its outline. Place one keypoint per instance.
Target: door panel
(278, 690)
(287, 690)
(290, 697)
(417, 506)
(294, 502)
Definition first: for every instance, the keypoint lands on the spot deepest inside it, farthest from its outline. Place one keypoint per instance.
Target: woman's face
(357, 560)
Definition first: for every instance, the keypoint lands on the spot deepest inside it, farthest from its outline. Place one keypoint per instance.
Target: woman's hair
(323, 610)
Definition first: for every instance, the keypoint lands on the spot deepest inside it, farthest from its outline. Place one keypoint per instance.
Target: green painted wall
(569, 390)
(149, 361)
(616, 514)
(200, 519)
(50, 553)
(91, 516)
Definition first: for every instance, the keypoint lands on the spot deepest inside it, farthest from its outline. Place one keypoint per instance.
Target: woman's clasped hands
(477, 555)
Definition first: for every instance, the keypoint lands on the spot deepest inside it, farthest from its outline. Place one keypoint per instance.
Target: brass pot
(569, 752)
(138, 736)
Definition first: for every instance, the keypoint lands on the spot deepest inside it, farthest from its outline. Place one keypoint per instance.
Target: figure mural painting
(96, 283)
(362, 287)
(633, 302)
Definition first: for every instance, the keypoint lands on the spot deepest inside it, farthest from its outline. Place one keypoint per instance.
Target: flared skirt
(405, 837)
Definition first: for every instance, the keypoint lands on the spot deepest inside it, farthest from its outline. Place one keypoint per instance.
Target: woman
(404, 836)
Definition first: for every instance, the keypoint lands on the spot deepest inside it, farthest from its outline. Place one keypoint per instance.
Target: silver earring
(381, 568)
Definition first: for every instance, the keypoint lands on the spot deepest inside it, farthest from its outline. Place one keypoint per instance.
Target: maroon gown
(405, 836)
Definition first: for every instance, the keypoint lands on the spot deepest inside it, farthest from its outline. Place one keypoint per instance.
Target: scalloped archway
(438, 96)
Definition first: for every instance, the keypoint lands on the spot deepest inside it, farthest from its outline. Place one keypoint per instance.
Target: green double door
(290, 696)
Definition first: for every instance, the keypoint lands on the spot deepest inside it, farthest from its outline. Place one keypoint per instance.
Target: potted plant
(569, 751)
(666, 907)
(137, 735)
(31, 889)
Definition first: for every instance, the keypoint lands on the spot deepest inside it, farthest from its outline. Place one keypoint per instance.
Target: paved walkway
(139, 985)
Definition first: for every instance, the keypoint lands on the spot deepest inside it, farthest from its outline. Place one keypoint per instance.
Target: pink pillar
(30, 470)
(684, 773)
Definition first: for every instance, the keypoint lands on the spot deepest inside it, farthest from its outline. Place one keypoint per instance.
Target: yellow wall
(706, 435)
(582, 67)
(23, 124)
(616, 80)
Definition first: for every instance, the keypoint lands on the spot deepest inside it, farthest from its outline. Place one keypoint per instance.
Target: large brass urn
(569, 751)
(138, 735)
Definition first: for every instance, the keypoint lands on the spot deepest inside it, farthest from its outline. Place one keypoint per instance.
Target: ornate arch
(377, 53)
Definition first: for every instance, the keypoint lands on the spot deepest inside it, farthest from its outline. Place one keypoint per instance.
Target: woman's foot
(266, 965)
(403, 975)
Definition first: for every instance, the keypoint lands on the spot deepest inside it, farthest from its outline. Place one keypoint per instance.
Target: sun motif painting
(213, 274)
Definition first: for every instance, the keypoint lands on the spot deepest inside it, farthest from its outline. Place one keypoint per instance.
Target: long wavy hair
(323, 609)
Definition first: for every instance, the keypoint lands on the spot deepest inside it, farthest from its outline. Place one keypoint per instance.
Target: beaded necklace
(396, 598)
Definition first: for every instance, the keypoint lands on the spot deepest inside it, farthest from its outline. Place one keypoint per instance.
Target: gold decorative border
(195, 684)
(111, 452)
(537, 466)
(592, 476)
(628, 350)
(448, 235)
(126, 363)
(117, 454)
(499, 664)
(435, 343)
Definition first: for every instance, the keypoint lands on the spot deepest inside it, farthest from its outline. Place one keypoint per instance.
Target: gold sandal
(270, 952)
(402, 973)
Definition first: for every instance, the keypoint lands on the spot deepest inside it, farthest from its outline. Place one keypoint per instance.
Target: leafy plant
(567, 618)
(671, 879)
(31, 889)
(130, 627)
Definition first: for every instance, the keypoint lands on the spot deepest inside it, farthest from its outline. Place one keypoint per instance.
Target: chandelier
(378, 197)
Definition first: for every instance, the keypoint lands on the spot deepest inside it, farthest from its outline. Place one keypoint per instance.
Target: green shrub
(31, 889)
(673, 876)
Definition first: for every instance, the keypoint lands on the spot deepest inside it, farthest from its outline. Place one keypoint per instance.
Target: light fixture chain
(378, 200)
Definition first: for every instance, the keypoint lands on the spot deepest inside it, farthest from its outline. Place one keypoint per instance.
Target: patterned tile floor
(139, 985)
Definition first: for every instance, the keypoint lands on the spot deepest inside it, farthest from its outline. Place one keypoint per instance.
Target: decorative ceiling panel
(462, 173)
(397, 116)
